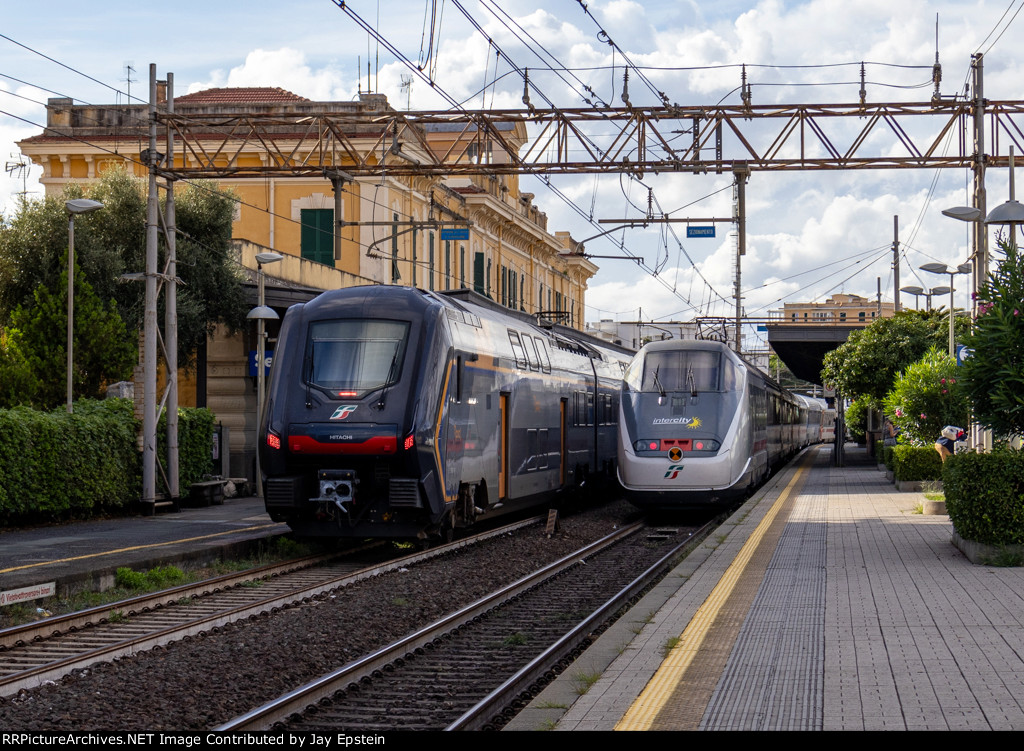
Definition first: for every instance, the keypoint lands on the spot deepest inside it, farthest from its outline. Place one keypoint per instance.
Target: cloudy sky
(809, 234)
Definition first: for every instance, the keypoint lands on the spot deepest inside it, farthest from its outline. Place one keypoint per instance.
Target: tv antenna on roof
(407, 88)
(19, 168)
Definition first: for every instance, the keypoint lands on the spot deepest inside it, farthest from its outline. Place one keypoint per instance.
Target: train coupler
(337, 486)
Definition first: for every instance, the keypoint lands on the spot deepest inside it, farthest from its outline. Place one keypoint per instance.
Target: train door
(503, 449)
(563, 443)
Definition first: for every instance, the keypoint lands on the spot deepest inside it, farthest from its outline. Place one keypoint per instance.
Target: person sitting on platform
(946, 444)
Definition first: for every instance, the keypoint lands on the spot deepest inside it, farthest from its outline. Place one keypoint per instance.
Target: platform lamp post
(75, 206)
(261, 314)
(1010, 213)
(941, 268)
(919, 292)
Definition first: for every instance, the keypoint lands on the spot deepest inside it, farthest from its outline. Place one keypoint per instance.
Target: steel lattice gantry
(587, 141)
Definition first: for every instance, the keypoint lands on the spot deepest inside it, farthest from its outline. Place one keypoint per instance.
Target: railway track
(466, 670)
(45, 651)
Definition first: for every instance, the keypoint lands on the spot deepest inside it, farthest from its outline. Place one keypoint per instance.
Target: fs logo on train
(342, 412)
(673, 471)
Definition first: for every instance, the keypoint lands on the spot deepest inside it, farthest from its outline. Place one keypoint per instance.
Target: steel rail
(34, 676)
(481, 715)
(264, 717)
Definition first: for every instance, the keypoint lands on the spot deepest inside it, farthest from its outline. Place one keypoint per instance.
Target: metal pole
(71, 306)
(171, 311)
(149, 421)
(952, 335)
(896, 263)
(741, 245)
(260, 357)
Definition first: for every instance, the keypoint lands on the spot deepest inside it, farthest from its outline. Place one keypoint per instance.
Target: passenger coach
(397, 412)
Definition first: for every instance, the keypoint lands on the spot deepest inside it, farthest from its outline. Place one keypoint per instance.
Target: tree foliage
(34, 353)
(867, 364)
(994, 375)
(112, 241)
(926, 397)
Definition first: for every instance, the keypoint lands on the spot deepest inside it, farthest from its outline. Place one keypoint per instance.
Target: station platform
(824, 603)
(84, 555)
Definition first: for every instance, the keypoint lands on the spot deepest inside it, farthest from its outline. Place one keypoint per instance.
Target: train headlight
(706, 445)
(646, 446)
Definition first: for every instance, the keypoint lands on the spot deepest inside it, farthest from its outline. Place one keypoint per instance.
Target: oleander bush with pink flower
(927, 396)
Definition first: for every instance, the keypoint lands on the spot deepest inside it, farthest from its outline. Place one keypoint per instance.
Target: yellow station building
(389, 232)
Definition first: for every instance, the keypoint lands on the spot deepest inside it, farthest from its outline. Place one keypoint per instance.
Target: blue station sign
(454, 233)
(700, 231)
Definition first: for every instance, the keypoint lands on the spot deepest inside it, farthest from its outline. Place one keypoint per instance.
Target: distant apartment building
(843, 309)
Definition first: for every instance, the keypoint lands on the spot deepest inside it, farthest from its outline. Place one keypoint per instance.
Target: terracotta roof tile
(236, 95)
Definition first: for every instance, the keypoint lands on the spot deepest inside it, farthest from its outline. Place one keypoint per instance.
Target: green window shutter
(317, 237)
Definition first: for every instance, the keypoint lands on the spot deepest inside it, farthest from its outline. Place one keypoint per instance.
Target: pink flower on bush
(943, 381)
(899, 412)
(924, 416)
(945, 391)
(983, 308)
(952, 380)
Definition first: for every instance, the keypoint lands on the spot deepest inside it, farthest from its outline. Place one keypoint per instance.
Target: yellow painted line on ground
(135, 547)
(652, 699)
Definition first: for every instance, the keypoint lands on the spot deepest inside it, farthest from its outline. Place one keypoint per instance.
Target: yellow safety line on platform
(652, 699)
(135, 547)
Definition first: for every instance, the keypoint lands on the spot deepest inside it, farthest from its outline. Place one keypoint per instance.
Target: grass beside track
(130, 583)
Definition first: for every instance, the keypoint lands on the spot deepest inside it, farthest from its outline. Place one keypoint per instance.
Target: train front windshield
(349, 358)
(682, 370)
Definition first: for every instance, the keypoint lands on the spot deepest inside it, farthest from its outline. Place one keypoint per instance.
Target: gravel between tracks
(204, 681)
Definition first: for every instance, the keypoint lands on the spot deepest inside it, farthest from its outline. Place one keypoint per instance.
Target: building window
(395, 276)
(479, 283)
(430, 264)
(447, 264)
(317, 235)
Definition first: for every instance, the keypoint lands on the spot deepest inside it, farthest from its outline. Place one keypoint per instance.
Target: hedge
(985, 496)
(55, 465)
(912, 463)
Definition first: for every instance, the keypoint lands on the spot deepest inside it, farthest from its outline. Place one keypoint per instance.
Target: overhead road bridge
(802, 345)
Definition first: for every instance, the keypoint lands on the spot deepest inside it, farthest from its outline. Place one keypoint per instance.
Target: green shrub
(887, 457)
(985, 495)
(195, 445)
(912, 463)
(857, 419)
(56, 466)
(994, 375)
(926, 397)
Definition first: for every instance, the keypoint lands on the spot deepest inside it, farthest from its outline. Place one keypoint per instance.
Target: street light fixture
(941, 268)
(261, 314)
(74, 207)
(919, 292)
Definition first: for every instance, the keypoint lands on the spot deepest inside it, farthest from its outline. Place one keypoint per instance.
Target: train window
(531, 352)
(517, 349)
(349, 358)
(680, 370)
(542, 355)
(730, 375)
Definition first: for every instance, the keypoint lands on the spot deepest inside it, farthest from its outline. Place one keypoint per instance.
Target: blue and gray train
(699, 426)
(402, 413)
